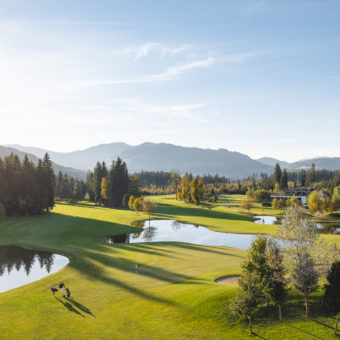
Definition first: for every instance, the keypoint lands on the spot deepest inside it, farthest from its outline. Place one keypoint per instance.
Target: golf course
(163, 290)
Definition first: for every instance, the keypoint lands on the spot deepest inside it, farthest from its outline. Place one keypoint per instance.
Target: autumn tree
(336, 198)
(131, 201)
(314, 202)
(247, 203)
(104, 188)
(149, 207)
(138, 204)
(275, 203)
(185, 188)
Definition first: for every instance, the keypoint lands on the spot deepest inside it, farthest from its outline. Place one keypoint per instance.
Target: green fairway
(173, 295)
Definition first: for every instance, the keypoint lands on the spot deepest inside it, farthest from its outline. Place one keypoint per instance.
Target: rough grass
(173, 295)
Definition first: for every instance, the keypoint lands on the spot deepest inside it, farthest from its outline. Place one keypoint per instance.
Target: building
(300, 193)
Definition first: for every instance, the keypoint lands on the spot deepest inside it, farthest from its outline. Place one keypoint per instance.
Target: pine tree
(59, 185)
(312, 174)
(277, 174)
(96, 183)
(48, 183)
(332, 292)
(284, 180)
(118, 183)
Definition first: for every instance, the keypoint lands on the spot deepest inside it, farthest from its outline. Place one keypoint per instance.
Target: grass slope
(173, 295)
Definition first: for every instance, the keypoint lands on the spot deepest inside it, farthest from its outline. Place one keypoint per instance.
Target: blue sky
(258, 77)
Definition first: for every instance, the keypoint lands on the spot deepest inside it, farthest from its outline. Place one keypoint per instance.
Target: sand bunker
(228, 280)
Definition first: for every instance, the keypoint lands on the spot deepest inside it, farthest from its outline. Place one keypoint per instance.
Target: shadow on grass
(304, 331)
(80, 239)
(325, 325)
(168, 209)
(80, 306)
(258, 336)
(70, 307)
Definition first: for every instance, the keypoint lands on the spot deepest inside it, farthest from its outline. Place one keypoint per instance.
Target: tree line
(25, 188)
(69, 188)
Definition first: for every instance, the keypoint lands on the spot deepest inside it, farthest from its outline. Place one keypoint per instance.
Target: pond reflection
(265, 219)
(329, 228)
(19, 266)
(174, 231)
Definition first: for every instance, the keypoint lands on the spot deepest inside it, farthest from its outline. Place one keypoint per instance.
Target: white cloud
(242, 57)
(145, 49)
(171, 73)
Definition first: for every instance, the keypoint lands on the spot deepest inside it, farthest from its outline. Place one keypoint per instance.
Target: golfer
(61, 287)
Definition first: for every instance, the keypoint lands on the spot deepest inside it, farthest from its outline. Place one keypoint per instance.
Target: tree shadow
(90, 256)
(325, 325)
(304, 331)
(70, 307)
(81, 307)
(167, 209)
(208, 249)
(258, 335)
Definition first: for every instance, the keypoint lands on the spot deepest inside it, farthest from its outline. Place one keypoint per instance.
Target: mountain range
(6, 151)
(167, 157)
(328, 163)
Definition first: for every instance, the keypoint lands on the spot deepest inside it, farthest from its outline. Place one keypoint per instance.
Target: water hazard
(19, 266)
(174, 231)
(324, 228)
(266, 219)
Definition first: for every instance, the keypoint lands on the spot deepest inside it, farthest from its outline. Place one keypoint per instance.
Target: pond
(19, 266)
(174, 231)
(329, 228)
(266, 219)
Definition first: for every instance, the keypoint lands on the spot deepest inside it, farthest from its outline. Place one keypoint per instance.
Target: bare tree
(247, 203)
(149, 207)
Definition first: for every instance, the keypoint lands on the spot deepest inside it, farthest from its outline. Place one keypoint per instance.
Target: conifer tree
(332, 292)
(48, 183)
(96, 183)
(277, 174)
(284, 180)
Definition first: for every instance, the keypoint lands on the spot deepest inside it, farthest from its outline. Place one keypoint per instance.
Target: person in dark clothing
(61, 287)
(53, 289)
(68, 293)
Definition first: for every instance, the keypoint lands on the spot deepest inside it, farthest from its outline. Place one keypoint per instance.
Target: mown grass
(173, 295)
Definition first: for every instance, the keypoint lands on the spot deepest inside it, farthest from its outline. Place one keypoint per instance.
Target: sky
(261, 77)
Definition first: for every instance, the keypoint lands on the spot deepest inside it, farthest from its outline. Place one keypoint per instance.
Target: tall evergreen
(312, 174)
(284, 180)
(277, 174)
(48, 183)
(96, 183)
(118, 183)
